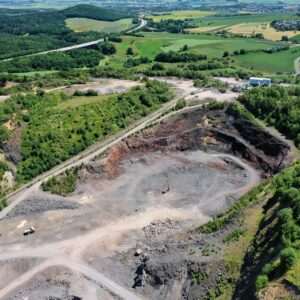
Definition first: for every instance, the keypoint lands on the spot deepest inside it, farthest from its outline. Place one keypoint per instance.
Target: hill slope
(93, 12)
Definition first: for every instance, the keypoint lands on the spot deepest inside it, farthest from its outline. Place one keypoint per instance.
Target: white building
(257, 81)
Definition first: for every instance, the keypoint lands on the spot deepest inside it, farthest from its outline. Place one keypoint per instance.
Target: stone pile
(158, 227)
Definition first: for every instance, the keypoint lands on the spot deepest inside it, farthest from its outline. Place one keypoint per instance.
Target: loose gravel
(36, 205)
(158, 227)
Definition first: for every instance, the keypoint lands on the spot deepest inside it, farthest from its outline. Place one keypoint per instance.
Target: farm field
(212, 46)
(230, 20)
(181, 15)
(84, 24)
(277, 62)
(204, 29)
(268, 32)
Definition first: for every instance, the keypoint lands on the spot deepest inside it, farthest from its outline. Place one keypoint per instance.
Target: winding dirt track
(69, 252)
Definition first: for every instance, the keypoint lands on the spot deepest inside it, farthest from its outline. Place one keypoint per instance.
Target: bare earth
(146, 192)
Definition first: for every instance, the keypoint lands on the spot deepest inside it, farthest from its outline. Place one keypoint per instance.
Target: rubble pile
(158, 227)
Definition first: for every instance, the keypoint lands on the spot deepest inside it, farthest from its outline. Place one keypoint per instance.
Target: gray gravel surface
(39, 205)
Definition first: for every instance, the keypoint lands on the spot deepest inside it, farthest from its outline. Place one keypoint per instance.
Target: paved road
(83, 45)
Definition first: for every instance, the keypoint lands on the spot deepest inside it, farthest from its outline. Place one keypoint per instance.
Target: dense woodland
(52, 134)
(278, 106)
(172, 26)
(77, 58)
(22, 34)
(175, 57)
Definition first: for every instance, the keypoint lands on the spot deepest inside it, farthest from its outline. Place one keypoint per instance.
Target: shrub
(261, 282)
(288, 257)
(129, 51)
(181, 103)
(269, 268)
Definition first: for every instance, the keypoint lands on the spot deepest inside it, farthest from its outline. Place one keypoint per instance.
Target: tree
(158, 67)
(107, 48)
(226, 54)
(185, 48)
(129, 51)
(288, 257)
(261, 282)
(284, 38)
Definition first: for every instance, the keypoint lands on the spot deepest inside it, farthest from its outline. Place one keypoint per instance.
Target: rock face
(203, 129)
(171, 266)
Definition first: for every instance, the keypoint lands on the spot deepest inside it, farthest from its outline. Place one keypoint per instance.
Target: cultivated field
(181, 15)
(268, 32)
(83, 24)
(270, 63)
(212, 46)
(204, 29)
(229, 20)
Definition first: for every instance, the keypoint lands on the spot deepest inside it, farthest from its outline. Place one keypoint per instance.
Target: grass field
(182, 15)
(83, 24)
(32, 74)
(228, 20)
(204, 29)
(212, 46)
(78, 101)
(269, 32)
(277, 62)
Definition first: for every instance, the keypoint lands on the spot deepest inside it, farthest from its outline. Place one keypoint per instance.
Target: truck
(28, 231)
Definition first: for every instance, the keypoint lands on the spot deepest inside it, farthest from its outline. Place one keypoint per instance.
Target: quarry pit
(128, 230)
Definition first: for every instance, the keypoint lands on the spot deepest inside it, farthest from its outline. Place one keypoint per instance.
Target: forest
(175, 57)
(22, 34)
(278, 106)
(53, 135)
(77, 58)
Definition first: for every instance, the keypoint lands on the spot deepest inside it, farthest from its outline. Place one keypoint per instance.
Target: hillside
(94, 12)
(22, 34)
(262, 258)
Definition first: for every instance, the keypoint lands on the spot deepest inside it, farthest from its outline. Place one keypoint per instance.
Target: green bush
(234, 235)
(261, 282)
(288, 257)
(269, 269)
(180, 104)
(63, 184)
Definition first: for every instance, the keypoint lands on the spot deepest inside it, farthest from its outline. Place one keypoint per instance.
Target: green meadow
(276, 62)
(84, 24)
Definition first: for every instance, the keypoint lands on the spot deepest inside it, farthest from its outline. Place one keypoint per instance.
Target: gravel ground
(37, 205)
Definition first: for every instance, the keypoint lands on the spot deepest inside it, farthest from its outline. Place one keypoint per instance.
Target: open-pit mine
(128, 231)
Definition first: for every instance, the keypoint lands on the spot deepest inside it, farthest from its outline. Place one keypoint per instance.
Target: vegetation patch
(54, 135)
(63, 184)
(83, 24)
(234, 235)
(278, 106)
(3, 168)
(180, 15)
(268, 32)
(282, 61)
